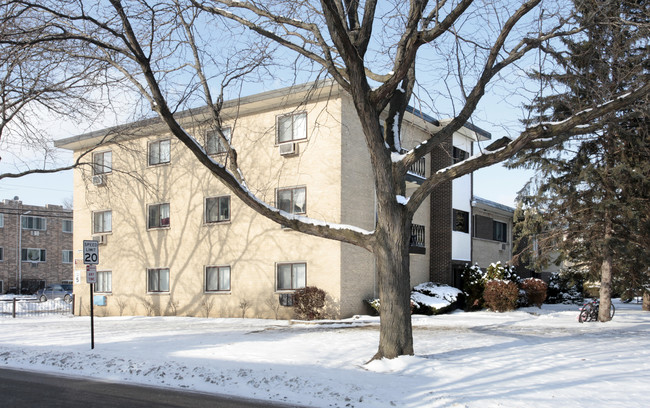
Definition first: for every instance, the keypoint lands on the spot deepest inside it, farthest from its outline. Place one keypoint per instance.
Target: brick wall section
(53, 240)
(440, 231)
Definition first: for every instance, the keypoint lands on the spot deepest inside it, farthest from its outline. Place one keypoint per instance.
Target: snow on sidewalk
(531, 357)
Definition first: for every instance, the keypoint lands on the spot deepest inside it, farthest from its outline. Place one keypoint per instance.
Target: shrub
(496, 271)
(433, 299)
(309, 303)
(501, 295)
(565, 287)
(473, 286)
(535, 291)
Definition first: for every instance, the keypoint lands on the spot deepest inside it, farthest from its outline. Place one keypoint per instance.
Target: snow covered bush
(535, 291)
(309, 303)
(501, 295)
(429, 298)
(497, 271)
(432, 298)
(473, 286)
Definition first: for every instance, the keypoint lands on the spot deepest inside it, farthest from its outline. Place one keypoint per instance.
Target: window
(102, 162)
(102, 222)
(461, 221)
(33, 255)
(213, 144)
(158, 280)
(159, 152)
(2, 255)
(67, 256)
(158, 216)
(217, 278)
(292, 127)
(67, 225)
(459, 155)
(291, 276)
(500, 231)
(2, 220)
(217, 209)
(292, 200)
(34, 223)
(487, 228)
(104, 282)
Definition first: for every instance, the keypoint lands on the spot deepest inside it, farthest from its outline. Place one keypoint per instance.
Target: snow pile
(531, 357)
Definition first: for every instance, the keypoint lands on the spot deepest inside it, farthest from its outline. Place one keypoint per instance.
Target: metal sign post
(91, 259)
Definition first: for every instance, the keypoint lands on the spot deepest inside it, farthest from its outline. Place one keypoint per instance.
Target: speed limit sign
(91, 252)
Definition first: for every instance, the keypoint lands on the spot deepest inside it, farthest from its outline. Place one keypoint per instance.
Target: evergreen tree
(590, 202)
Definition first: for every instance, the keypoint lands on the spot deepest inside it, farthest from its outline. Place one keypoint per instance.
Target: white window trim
(169, 282)
(160, 227)
(93, 223)
(205, 212)
(159, 162)
(205, 278)
(278, 290)
(71, 256)
(110, 167)
(292, 140)
(96, 287)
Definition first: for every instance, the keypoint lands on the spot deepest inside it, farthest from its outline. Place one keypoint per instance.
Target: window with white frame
(159, 152)
(102, 162)
(291, 127)
(33, 255)
(292, 200)
(66, 256)
(2, 220)
(158, 280)
(102, 222)
(213, 143)
(158, 216)
(104, 282)
(66, 225)
(34, 223)
(291, 276)
(217, 278)
(217, 209)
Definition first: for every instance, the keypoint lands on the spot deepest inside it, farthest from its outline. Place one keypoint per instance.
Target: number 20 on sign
(91, 252)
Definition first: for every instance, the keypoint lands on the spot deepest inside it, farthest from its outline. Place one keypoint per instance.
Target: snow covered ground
(528, 358)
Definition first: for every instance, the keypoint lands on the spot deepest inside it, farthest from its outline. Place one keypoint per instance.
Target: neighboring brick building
(174, 240)
(44, 243)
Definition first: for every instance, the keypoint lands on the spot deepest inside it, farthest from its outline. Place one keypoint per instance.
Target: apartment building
(35, 246)
(174, 240)
(492, 232)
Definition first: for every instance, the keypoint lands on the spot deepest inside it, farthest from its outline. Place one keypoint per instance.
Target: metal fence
(31, 306)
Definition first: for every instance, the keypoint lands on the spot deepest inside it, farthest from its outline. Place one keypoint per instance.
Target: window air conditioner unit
(288, 149)
(36, 233)
(503, 247)
(99, 180)
(101, 239)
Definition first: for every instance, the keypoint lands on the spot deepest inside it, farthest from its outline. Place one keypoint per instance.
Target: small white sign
(91, 274)
(77, 277)
(91, 252)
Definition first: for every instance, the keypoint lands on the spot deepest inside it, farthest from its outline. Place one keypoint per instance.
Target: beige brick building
(174, 240)
(41, 237)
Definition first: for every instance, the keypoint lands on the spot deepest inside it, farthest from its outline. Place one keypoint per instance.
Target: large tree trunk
(392, 260)
(606, 278)
(646, 301)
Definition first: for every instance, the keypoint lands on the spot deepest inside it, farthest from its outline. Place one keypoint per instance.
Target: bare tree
(372, 51)
(38, 80)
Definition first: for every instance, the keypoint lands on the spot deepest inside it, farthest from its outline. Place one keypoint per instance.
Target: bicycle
(589, 311)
